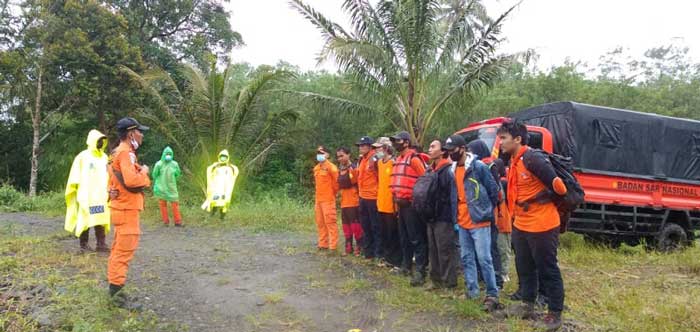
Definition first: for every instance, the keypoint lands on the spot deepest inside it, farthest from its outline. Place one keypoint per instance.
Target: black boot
(101, 243)
(114, 289)
(84, 238)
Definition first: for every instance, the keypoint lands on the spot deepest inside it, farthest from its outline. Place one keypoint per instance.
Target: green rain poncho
(86, 188)
(165, 174)
(221, 178)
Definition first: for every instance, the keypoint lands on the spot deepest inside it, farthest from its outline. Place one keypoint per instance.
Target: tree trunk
(36, 129)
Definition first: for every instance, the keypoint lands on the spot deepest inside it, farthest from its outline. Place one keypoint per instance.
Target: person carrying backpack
(478, 148)
(408, 167)
(440, 223)
(536, 223)
(477, 195)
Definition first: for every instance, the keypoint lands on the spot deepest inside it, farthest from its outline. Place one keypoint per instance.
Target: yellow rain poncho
(221, 178)
(87, 189)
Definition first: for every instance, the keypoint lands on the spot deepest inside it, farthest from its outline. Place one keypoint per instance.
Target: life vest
(403, 176)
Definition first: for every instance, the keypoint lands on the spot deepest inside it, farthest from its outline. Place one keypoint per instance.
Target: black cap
(454, 141)
(404, 135)
(365, 140)
(129, 123)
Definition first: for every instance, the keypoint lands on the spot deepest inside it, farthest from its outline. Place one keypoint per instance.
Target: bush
(12, 200)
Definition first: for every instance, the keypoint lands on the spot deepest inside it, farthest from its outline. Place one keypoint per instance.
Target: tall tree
(412, 57)
(169, 31)
(65, 58)
(217, 110)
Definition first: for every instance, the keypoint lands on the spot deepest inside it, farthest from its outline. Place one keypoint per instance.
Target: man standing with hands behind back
(127, 180)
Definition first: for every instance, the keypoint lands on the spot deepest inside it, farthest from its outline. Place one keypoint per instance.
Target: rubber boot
(101, 243)
(84, 238)
(121, 300)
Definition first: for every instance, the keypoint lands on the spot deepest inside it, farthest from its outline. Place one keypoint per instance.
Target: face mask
(100, 144)
(223, 159)
(134, 144)
(399, 147)
(320, 158)
(379, 155)
(168, 157)
(456, 156)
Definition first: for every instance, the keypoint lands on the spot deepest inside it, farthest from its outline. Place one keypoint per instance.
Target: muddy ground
(207, 279)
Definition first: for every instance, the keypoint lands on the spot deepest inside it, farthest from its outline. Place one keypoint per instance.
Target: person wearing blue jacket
(477, 194)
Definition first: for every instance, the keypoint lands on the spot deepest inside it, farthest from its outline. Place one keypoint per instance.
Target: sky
(580, 30)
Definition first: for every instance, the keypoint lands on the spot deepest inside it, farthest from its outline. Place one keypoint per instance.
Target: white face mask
(134, 144)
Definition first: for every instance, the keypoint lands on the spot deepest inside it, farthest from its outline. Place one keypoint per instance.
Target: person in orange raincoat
(127, 180)
(326, 178)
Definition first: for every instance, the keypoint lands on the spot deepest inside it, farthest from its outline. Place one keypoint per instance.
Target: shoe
(405, 271)
(550, 322)
(525, 311)
(102, 248)
(122, 300)
(86, 249)
(490, 304)
(357, 251)
(179, 224)
(517, 296)
(166, 223)
(418, 279)
(435, 285)
(348, 247)
(383, 263)
(506, 279)
(322, 248)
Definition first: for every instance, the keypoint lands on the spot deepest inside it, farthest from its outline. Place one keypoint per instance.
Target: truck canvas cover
(609, 140)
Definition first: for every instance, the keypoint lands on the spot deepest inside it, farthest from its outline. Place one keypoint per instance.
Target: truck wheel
(671, 237)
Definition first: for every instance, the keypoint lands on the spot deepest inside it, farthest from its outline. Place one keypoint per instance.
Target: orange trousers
(326, 225)
(164, 212)
(127, 232)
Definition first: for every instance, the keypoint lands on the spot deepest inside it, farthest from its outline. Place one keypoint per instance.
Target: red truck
(640, 171)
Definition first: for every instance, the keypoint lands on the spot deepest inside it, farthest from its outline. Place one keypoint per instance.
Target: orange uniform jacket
(385, 200)
(326, 177)
(349, 197)
(124, 160)
(367, 181)
(463, 217)
(522, 186)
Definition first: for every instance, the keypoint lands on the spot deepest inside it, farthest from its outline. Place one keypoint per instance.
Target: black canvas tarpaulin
(612, 140)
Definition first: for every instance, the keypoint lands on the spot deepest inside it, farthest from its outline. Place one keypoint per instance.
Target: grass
(626, 289)
(42, 282)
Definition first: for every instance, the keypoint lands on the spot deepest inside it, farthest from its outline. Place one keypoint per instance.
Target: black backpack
(425, 193)
(574, 197)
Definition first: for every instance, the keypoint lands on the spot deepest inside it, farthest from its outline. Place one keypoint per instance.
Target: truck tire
(671, 237)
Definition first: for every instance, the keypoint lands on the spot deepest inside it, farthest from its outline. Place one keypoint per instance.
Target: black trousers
(414, 238)
(372, 229)
(444, 258)
(391, 242)
(536, 258)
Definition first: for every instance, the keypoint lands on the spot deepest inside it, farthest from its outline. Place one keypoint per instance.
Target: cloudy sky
(555, 29)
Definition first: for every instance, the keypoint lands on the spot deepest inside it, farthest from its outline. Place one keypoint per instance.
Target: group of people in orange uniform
(469, 219)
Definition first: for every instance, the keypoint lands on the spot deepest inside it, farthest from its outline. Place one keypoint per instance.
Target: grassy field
(625, 289)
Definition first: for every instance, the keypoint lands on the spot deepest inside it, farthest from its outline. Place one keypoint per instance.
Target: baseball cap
(129, 123)
(382, 141)
(365, 140)
(454, 141)
(404, 135)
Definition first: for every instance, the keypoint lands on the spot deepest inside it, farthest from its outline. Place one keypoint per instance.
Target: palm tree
(411, 57)
(215, 111)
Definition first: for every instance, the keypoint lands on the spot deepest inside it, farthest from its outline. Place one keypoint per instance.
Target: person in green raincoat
(165, 174)
(87, 193)
(221, 178)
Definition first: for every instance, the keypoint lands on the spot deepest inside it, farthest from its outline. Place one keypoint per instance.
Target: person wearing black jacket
(441, 235)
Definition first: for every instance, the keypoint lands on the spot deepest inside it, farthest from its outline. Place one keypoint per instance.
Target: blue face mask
(320, 158)
(168, 157)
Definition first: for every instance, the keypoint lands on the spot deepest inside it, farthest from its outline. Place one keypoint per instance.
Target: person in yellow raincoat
(221, 178)
(87, 193)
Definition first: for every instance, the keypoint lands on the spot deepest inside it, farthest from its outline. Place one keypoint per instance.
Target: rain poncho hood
(165, 175)
(221, 178)
(87, 188)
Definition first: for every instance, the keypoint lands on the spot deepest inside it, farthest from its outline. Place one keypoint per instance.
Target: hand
(113, 194)
(145, 169)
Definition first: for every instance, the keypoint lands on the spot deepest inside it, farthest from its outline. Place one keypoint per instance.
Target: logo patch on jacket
(97, 209)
